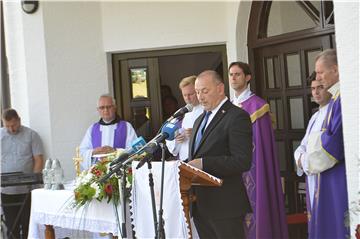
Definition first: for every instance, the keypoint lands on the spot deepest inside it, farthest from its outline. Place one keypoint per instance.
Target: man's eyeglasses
(105, 107)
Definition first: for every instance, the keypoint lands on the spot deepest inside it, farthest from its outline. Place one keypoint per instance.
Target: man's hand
(197, 163)
(187, 132)
(180, 138)
(38, 163)
(299, 165)
(103, 150)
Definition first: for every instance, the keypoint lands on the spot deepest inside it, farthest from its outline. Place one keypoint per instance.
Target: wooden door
(281, 74)
(284, 38)
(137, 84)
(138, 96)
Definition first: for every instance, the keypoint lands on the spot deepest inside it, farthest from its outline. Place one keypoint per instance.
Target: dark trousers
(219, 228)
(17, 214)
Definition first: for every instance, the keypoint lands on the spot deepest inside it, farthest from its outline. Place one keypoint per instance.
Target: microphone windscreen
(170, 129)
(190, 107)
(137, 144)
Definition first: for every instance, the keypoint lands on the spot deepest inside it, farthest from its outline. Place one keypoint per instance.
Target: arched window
(286, 17)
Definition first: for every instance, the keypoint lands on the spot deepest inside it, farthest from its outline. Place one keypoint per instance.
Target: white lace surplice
(173, 214)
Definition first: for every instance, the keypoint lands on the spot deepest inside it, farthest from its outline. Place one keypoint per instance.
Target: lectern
(192, 176)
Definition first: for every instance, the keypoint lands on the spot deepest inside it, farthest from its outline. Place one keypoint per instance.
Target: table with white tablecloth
(54, 207)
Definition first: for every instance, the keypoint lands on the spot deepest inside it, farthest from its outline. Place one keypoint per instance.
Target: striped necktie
(201, 130)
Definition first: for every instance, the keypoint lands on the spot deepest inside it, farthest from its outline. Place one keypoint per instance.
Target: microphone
(136, 145)
(167, 132)
(180, 112)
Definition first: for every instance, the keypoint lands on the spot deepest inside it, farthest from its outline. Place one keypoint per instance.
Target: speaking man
(221, 145)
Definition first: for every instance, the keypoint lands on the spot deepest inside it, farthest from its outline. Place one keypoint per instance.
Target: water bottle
(47, 174)
(57, 175)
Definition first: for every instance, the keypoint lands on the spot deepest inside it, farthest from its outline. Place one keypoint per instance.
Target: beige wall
(347, 41)
(129, 26)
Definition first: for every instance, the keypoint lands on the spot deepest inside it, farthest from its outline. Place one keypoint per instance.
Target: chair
(297, 218)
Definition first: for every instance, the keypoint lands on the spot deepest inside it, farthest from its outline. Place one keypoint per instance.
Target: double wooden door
(281, 72)
(139, 89)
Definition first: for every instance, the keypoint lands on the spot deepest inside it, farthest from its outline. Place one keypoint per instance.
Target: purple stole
(119, 136)
(330, 206)
(263, 182)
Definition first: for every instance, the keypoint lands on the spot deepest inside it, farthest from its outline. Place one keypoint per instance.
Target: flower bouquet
(88, 187)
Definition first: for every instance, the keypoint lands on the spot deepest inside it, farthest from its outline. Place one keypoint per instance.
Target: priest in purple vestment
(326, 158)
(263, 181)
(106, 135)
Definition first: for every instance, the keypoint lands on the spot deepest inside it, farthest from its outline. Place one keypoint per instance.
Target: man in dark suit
(221, 145)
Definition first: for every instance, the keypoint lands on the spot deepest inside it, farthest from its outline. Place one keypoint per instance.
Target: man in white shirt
(108, 134)
(321, 97)
(180, 145)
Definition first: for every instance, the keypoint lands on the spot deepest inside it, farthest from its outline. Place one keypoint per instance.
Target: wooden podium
(192, 176)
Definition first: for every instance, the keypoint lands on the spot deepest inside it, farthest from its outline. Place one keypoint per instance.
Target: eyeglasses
(105, 107)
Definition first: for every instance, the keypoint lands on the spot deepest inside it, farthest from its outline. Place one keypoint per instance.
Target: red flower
(130, 170)
(96, 172)
(108, 189)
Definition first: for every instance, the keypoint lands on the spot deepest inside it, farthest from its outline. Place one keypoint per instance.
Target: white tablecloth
(50, 207)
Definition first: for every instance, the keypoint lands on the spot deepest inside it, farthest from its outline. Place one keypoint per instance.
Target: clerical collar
(246, 94)
(334, 88)
(114, 121)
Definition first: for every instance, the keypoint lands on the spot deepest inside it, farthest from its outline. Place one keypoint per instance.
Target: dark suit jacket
(226, 152)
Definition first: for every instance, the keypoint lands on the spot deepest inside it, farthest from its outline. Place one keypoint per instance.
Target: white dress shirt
(182, 149)
(107, 139)
(315, 125)
(214, 111)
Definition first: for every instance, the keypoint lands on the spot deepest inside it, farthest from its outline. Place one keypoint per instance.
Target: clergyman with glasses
(106, 135)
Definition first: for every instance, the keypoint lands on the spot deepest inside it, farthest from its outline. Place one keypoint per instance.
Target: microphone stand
(159, 226)
(122, 191)
(161, 229)
(120, 170)
(152, 193)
